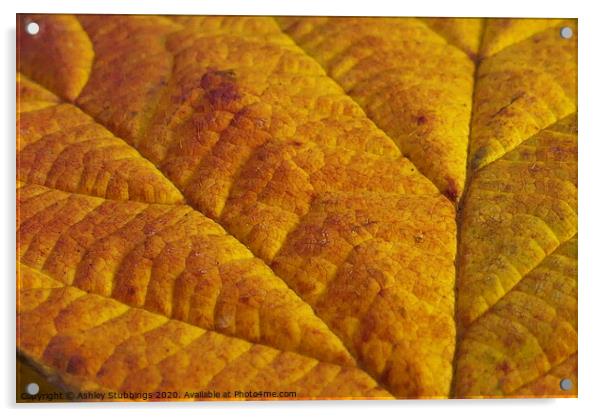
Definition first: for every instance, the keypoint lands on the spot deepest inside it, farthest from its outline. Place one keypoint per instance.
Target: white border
(590, 177)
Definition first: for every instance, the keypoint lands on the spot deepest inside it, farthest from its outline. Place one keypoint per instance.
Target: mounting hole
(32, 28)
(566, 32)
(32, 388)
(566, 384)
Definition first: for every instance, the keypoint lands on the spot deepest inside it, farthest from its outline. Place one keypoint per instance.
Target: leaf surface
(414, 84)
(96, 343)
(342, 207)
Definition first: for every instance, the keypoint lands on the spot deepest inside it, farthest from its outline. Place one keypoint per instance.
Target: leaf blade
(518, 330)
(118, 348)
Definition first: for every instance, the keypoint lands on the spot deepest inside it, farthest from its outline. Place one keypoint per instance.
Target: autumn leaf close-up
(243, 208)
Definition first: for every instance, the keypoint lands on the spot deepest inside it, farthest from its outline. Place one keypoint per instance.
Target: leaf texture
(414, 84)
(97, 343)
(63, 42)
(516, 306)
(465, 33)
(521, 90)
(61, 147)
(341, 207)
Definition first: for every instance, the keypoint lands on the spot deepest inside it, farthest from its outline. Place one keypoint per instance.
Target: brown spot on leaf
(451, 192)
(221, 87)
(77, 365)
(419, 237)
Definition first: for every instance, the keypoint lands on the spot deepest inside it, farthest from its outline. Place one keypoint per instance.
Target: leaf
(61, 147)
(411, 82)
(465, 33)
(340, 207)
(97, 343)
(517, 278)
(521, 90)
(502, 33)
(61, 41)
(528, 332)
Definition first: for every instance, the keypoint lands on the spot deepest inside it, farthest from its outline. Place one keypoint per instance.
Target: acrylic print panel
(243, 208)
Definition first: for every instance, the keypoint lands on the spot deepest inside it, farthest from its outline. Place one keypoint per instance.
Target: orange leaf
(335, 207)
